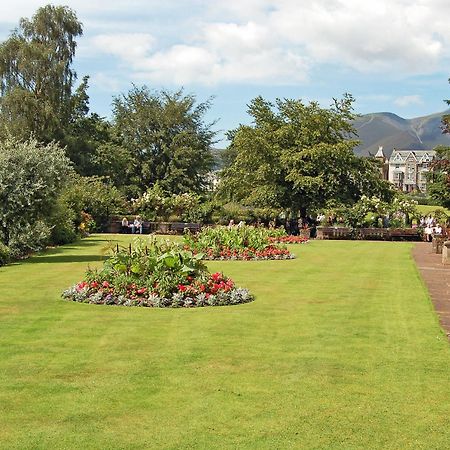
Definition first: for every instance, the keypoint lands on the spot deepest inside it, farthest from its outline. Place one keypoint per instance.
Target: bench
(115, 226)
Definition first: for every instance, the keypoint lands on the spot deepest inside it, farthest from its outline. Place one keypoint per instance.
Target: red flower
(105, 284)
(216, 276)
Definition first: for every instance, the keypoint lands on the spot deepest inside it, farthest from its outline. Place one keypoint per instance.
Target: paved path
(437, 279)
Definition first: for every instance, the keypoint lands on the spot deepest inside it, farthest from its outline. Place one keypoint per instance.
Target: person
(241, 224)
(437, 229)
(136, 227)
(428, 233)
(231, 223)
(125, 227)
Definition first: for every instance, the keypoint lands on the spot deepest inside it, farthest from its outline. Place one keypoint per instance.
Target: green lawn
(429, 209)
(340, 350)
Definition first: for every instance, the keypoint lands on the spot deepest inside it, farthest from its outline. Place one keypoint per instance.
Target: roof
(400, 156)
(380, 153)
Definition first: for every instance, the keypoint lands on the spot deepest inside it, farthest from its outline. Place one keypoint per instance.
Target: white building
(408, 169)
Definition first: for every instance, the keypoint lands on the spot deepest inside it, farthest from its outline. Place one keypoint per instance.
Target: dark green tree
(167, 137)
(446, 118)
(36, 75)
(297, 156)
(439, 177)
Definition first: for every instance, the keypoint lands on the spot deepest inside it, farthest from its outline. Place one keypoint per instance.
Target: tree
(446, 118)
(439, 177)
(297, 157)
(31, 178)
(36, 78)
(166, 135)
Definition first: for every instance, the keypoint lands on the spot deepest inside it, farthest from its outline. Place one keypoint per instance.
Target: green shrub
(63, 224)
(5, 254)
(29, 238)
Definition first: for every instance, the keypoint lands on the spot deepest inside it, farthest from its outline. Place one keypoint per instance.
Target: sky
(391, 55)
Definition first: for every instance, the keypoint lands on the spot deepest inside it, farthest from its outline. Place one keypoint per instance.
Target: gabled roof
(400, 156)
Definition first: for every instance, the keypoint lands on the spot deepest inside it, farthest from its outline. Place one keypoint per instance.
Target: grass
(430, 209)
(340, 350)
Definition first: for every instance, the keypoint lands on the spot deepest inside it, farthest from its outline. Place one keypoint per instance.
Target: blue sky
(392, 55)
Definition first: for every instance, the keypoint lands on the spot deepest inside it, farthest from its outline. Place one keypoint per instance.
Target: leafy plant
(236, 242)
(157, 274)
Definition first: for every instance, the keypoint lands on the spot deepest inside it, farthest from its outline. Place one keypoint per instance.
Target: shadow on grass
(65, 259)
(61, 255)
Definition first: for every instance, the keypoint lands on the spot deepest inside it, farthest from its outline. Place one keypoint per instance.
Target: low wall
(377, 234)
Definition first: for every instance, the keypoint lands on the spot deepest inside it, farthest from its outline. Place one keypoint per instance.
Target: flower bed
(288, 239)
(159, 276)
(236, 243)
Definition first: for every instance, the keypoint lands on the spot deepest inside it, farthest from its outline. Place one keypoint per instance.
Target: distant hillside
(389, 130)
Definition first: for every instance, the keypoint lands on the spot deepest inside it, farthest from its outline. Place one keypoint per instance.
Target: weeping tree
(36, 75)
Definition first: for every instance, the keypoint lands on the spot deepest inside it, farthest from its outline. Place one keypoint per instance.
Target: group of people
(430, 227)
(135, 227)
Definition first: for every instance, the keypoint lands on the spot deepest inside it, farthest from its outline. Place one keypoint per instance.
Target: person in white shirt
(428, 232)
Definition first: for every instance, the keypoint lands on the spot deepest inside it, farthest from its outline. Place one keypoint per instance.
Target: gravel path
(437, 279)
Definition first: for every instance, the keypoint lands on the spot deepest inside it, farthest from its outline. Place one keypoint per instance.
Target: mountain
(389, 130)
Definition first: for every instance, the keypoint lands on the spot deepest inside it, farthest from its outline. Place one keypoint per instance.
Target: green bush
(5, 254)
(63, 224)
(29, 238)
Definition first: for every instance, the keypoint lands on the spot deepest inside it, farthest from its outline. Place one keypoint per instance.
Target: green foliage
(5, 254)
(157, 266)
(166, 135)
(374, 212)
(31, 177)
(222, 214)
(156, 274)
(236, 242)
(29, 238)
(62, 220)
(36, 78)
(439, 177)
(446, 119)
(91, 195)
(155, 204)
(297, 157)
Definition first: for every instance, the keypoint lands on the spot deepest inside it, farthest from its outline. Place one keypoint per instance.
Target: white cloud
(127, 46)
(105, 82)
(260, 41)
(408, 100)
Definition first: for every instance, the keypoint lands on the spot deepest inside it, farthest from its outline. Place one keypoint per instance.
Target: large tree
(36, 75)
(297, 156)
(168, 139)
